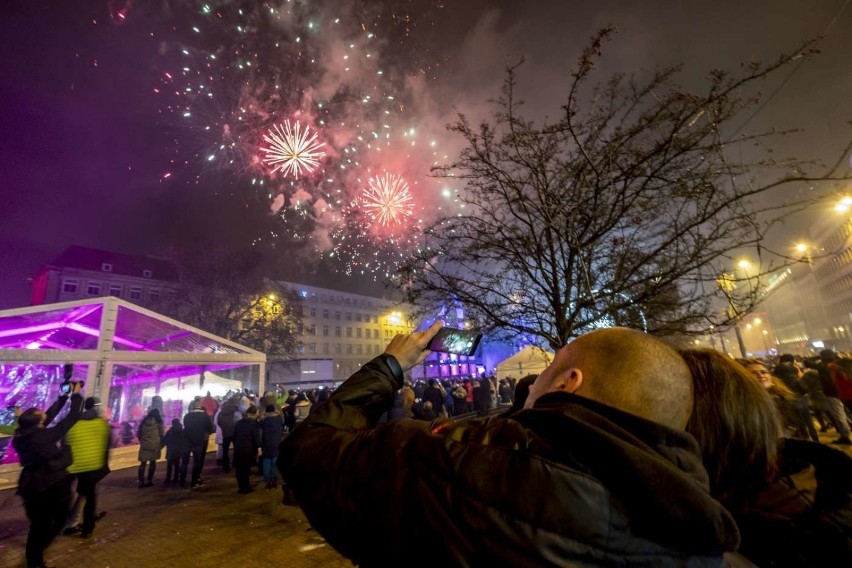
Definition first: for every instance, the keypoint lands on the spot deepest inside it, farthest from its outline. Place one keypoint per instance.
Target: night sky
(96, 149)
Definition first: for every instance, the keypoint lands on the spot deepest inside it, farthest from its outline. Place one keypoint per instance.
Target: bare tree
(622, 211)
(225, 293)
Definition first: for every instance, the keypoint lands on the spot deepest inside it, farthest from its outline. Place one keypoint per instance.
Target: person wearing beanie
(44, 483)
(89, 441)
(271, 431)
(246, 442)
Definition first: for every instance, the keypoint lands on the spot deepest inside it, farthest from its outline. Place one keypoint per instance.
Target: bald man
(596, 470)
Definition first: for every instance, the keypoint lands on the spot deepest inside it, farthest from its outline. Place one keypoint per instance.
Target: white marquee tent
(530, 360)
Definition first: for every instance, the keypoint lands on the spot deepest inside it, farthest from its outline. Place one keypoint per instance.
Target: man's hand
(409, 350)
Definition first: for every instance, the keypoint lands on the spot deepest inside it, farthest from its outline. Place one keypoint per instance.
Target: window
(313, 312)
(69, 286)
(147, 274)
(115, 290)
(300, 349)
(312, 347)
(375, 349)
(312, 330)
(154, 294)
(349, 349)
(359, 350)
(325, 314)
(106, 267)
(325, 348)
(325, 330)
(337, 331)
(375, 319)
(375, 334)
(348, 316)
(337, 348)
(348, 332)
(357, 317)
(94, 289)
(135, 293)
(358, 332)
(337, 315)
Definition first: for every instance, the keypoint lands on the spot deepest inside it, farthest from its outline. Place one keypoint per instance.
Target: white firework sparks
(387, 199)
(292, 149)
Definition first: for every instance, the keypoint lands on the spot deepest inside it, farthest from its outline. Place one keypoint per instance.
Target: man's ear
(568, 380)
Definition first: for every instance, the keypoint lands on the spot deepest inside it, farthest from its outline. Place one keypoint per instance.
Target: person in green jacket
(89, 442)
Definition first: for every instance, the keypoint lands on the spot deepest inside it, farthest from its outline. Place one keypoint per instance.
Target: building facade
(79, 273)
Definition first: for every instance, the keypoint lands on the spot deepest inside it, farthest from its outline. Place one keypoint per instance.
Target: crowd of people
(624, 451)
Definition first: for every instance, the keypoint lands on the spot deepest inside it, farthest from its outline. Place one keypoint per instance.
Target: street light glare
(758, 321)
(744, 264)
(801, 247)
(844, 204)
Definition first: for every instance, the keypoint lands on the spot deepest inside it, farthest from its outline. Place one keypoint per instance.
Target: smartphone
(456, 341)
(65, 388)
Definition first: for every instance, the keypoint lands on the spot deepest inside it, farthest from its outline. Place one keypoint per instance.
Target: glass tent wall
(125, 354)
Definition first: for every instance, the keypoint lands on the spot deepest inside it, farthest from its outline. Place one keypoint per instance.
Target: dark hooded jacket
(226, 417)
(44, 459)
(569, 482)
(271, 430)
(197, 426)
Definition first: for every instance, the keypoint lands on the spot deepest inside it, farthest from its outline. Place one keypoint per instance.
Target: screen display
(457, 341)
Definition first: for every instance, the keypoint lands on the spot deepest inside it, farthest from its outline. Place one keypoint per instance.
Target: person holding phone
(45, 484)
(596, 470)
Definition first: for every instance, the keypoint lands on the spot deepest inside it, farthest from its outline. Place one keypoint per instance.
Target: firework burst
(292, 150)
(387, 200)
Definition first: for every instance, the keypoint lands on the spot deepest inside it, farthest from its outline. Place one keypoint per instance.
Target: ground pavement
(164, 527)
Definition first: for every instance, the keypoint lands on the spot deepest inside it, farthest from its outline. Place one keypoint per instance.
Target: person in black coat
(596, 470)
(45, 483)
(271, 430)
(246, 441)
(198, 426)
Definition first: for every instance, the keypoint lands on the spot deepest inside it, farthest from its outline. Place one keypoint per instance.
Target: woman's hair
(778, 387)
(734, 420)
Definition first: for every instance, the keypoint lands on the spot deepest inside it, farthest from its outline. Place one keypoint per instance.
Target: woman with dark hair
(792, 499)
(150, 436)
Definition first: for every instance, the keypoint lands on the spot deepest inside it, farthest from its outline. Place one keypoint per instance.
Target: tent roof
(112, 329)
(530, 359)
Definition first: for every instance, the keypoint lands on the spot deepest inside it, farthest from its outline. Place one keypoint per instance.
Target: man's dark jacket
(44, 459)
(569, 482)
(198, 427)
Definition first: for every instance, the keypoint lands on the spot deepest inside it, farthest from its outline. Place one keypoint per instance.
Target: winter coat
(816, 397)
(198, 427)
(271, 430)
(175, 442)
(246, 442)
(44, 461)
(226, 419)
(89, 441)
(434, 395)
(804, 517)
(567, 482)
(150, 436)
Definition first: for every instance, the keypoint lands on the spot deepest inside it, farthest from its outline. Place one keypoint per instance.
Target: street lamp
(844, 204)
(744, 264)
